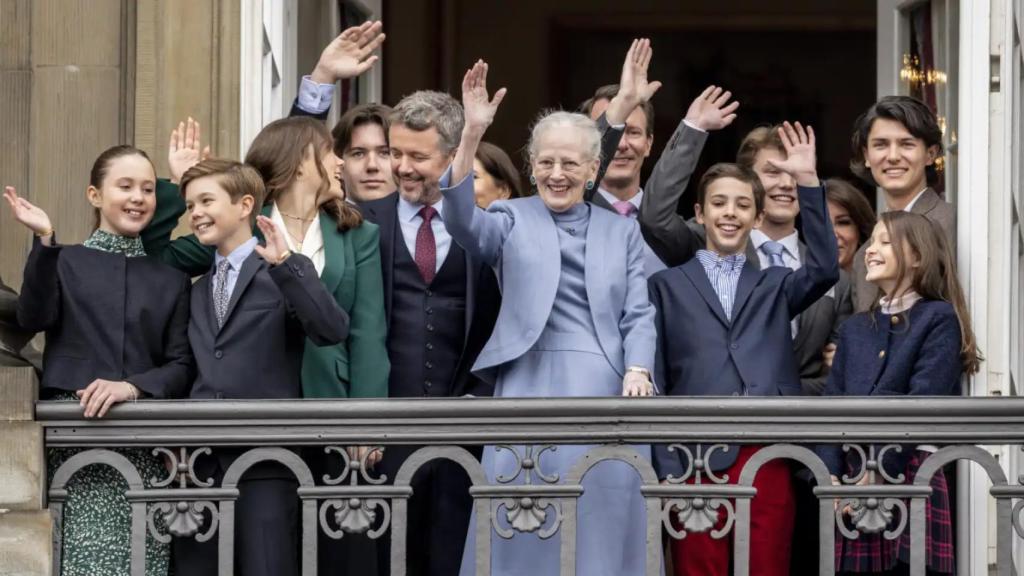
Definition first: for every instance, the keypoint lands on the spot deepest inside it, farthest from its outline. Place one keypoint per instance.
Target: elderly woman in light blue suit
(575, 320)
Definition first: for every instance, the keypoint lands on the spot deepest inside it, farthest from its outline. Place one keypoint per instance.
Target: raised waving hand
(478, 109)
(184, 150)
(350, 54)
(801, 158)
(634, 87)
(29, 215)
(712, 109)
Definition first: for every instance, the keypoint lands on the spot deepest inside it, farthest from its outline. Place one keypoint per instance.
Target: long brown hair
(850, 197)
(278, 152)
(935, 276)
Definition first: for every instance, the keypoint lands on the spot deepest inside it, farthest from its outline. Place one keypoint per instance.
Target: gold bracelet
(284, 256)
(646, 373)
(45, 234)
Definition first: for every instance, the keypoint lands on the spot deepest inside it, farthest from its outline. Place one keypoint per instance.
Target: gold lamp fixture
(913, 73)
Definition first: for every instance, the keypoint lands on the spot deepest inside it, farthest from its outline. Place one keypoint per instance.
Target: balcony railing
(183, 431)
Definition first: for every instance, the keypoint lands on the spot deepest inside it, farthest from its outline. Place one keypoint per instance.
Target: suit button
(300, 273)
(895, 320)
(428, 364)
(430, 346)
(429, 293)
(734, 346)
(881, 354)
(430, 310)
(428, 383)
(218, 354)
(430, 327)
(218, 396)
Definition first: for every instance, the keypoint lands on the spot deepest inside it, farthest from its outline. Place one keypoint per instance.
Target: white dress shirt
(314, 98)
(312, 243)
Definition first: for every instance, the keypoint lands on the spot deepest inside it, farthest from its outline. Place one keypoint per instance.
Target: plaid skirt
(874, 553)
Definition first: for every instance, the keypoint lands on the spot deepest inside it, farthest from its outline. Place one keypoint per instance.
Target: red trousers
(771, 527)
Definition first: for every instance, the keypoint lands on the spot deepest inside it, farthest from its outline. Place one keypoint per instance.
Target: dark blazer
(913, 353)
(482, 296)
(703, 353)
(931, 206)
(357, 367)
(257, 353)
(107, 316)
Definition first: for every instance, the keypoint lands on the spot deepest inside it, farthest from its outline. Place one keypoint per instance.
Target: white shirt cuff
(694, 126)
(314, 97)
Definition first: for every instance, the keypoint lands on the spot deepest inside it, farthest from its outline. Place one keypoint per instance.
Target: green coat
(356, 368)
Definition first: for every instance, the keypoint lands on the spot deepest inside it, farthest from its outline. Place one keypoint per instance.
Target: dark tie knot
(427, 213)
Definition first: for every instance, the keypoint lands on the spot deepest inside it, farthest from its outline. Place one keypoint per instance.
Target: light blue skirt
(611, 532)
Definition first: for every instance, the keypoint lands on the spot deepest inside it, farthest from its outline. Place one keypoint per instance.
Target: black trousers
(266, 531)
(439, 511)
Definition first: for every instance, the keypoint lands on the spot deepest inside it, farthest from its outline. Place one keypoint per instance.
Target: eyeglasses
(547, 165)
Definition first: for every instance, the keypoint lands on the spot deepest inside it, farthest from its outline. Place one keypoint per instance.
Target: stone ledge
(17, 393)
(26, 544)
(22, 467)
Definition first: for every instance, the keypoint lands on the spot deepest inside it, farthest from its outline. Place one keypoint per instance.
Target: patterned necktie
(625, 208)
(220, 291)
(426, 248)
(773, 250)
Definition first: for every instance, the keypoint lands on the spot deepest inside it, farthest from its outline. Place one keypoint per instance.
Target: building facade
(77, 76)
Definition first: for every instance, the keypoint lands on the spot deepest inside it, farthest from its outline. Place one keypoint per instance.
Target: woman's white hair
(589, 139)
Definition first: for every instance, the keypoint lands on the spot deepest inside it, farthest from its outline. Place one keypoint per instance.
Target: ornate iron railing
(359, 502)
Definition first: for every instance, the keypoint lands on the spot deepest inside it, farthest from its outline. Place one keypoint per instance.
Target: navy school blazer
(107, 316)
(703, 353)
(257, 353)
(916, 352)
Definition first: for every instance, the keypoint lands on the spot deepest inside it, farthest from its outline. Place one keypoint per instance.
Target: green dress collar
(115, 243)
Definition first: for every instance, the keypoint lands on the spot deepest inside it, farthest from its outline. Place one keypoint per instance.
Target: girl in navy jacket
(115, 323)
(916, 340)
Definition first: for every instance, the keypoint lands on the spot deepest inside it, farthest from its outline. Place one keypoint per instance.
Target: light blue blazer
(520, 240)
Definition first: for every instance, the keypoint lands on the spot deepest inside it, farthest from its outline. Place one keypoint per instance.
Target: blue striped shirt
(724, 275)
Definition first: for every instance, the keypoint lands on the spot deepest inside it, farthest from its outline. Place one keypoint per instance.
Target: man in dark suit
(625, 115)
(441, 305)
(742, 316)
(250, 317)
(895, 145)
(16, 348)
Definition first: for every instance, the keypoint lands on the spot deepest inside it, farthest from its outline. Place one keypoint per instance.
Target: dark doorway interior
(807, 61)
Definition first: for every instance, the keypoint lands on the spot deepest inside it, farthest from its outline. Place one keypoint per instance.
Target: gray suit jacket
(519, 239)
(15, 346)
(672, 171)
(931, 206)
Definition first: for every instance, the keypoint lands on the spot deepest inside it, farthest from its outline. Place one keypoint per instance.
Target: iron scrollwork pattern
(357, 513)
(702, 511)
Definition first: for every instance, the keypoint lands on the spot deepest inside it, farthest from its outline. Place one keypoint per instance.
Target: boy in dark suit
(250, 316)
(724, 330)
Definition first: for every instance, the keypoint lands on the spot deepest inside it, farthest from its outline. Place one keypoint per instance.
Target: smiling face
(897, 160)
(633, 149)
(366, 166)
(126, 198)
(780, 201)
(847, 235)
(883, 267)
(214, 218)
(561, 168)
(729, 214)
(417, 163)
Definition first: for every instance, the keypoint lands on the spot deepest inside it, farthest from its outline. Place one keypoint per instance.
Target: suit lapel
(594, 263)
(749, 277)
(334, 253)
(249, 269)
(694, 270)
(387, 219)
(752, 255)
(926, 203)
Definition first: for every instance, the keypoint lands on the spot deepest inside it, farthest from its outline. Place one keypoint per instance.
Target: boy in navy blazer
(724, 330)
(250, 316)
